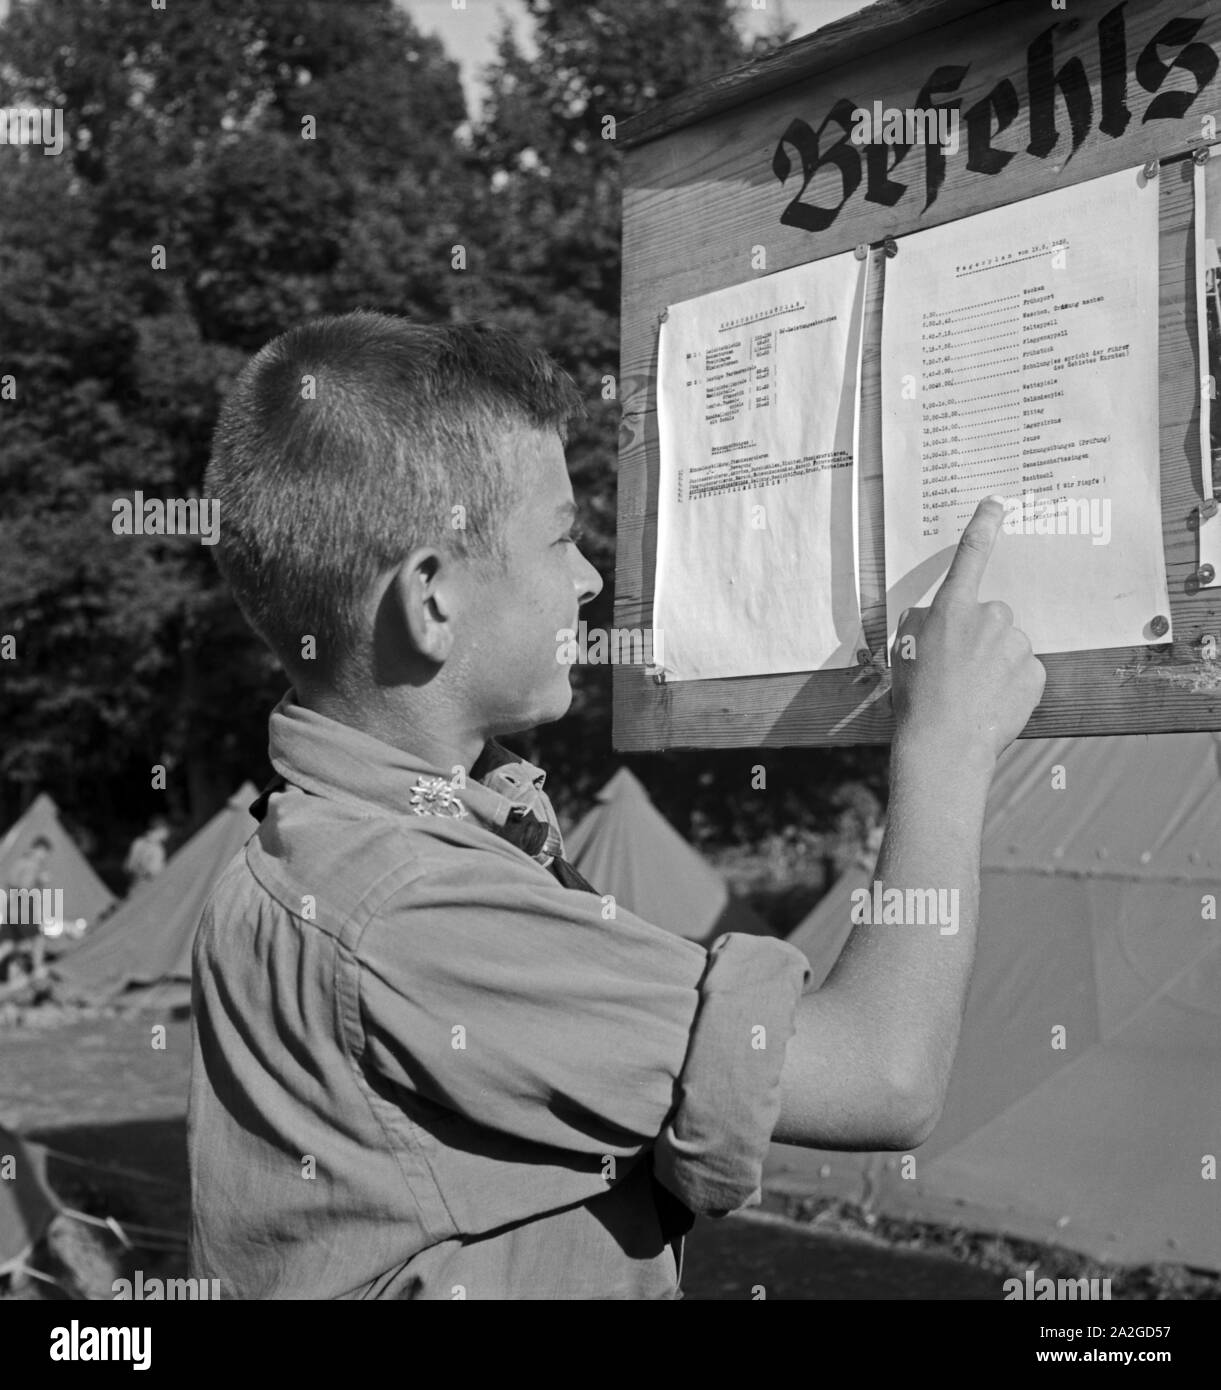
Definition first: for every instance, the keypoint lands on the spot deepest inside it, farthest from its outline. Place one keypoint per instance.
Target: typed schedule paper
(758, 418)
(1020, 359)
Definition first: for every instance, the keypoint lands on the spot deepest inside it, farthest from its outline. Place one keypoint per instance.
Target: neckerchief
(530, 822)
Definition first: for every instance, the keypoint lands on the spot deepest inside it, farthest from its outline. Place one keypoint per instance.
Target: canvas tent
(148, 940)
(627, 848)
(1094, 919)
(85, 895)
(27, 1204)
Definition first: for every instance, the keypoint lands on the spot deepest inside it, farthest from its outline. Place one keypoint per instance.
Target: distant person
(146, 857)
(22, 944)
(867, 855)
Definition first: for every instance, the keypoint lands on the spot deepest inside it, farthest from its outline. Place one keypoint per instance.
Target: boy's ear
(424, 597)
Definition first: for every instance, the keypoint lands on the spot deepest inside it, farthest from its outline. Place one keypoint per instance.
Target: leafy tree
(291, 158)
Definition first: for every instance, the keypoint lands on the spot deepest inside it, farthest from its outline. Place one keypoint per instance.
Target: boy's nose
(589, 582)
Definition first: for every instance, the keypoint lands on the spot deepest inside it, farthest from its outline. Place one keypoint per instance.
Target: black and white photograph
(609, 677)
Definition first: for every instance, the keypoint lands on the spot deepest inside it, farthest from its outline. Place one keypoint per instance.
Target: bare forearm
(868, 1064)
(908, 977)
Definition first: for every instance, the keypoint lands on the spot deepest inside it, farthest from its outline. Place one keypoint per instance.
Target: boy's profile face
(511, 644)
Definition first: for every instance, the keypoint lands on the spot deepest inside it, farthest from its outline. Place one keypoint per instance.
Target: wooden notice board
(1068, 95)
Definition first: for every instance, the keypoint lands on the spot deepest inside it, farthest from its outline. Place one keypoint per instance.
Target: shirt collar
(331, 759)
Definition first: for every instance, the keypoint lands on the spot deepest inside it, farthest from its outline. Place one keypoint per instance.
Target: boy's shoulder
(345, 866)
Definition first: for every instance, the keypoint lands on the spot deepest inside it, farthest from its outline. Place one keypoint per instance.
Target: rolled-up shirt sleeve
(547, 1015)
(711, 1151)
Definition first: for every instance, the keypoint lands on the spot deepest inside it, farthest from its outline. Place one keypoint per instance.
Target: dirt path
(102, 1069)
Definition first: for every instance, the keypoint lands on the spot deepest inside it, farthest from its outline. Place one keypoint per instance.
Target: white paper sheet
(1208, 320)
(758, 411)
(1019, 359)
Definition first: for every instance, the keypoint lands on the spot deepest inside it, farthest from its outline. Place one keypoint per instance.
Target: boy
(424, 1064)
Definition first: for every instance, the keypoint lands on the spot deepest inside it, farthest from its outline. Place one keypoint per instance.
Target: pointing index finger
(974, 550)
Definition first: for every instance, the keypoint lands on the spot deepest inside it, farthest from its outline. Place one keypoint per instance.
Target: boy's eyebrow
(566, 511)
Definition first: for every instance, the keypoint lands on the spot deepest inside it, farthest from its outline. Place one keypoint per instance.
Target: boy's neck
(439, 742)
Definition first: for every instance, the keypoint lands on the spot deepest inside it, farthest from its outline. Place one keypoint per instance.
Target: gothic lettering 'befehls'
(989, 118)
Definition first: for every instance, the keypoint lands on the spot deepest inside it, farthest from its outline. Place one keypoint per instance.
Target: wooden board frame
(702, 191)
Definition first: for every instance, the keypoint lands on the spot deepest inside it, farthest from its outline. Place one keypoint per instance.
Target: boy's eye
(574, 535)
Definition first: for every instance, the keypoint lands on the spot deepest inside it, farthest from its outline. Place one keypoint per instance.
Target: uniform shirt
(423, 1068)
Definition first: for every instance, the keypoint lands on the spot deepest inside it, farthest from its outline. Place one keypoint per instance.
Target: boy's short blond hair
(349, 441)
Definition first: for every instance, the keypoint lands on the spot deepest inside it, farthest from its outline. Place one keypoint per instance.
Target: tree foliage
(184, 131)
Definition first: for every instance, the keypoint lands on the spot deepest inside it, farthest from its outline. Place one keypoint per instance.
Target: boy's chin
(558, 705)
(552, 706)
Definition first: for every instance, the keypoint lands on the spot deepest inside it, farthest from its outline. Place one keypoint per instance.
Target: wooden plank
(696, 204)
(868, 31)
